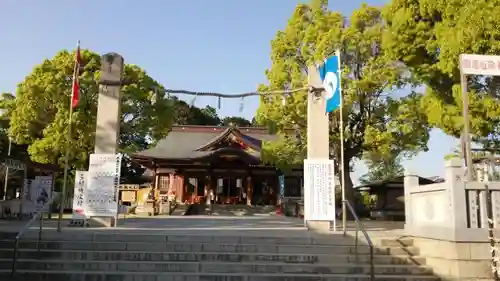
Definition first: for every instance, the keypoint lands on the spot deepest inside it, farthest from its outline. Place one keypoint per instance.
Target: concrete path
(217, 225)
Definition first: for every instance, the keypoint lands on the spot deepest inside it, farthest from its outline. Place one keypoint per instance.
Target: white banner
(103, 183)
(79, 195)
(40, 191)
(319, 190)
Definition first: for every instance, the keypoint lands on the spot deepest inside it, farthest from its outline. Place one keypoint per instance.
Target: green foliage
(39, 113)
(374, 122)
(282, 153)
(428, 37)
(381, 169)
(191, 115)
(236, 121)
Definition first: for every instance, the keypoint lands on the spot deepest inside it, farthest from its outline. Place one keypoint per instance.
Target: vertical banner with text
(319, 190)
(79, 201)
(102, 189)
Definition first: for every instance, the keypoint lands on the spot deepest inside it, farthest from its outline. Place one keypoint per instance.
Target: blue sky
(216, 45)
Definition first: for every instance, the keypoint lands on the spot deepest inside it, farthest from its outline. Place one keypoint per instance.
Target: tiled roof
(182, 144)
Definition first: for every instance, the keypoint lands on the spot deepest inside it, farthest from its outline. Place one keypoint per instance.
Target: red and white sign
(480, 65)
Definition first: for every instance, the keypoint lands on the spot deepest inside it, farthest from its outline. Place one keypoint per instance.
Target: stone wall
(449, 224)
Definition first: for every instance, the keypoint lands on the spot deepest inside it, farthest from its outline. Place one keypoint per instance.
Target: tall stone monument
(108, 114)
(318, 137)
(108, 108)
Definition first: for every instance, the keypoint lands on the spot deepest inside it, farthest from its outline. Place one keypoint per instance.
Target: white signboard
(103, 183)
(319, 190)
(79, 195)
(40, 191)
(480, 65)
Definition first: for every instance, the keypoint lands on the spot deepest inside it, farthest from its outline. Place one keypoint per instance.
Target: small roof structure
(199, 143)
(395, 183)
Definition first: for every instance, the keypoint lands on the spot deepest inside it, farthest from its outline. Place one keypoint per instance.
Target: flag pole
(66, 155)
(341, 130)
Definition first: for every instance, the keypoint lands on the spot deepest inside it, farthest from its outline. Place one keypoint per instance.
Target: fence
(455, 209)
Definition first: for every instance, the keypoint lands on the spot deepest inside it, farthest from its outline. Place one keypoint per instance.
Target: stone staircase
(85, 256)
(242, 210)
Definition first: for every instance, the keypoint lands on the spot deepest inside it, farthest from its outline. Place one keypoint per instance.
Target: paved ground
(216, 225)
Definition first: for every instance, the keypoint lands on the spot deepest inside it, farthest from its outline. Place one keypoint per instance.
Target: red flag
(75, 91)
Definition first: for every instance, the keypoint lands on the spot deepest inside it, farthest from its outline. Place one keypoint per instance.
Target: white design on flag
(330, 83)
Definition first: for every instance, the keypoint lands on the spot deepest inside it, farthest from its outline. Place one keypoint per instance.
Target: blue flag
(330, 73)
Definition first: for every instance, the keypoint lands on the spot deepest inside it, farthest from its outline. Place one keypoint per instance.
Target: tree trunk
(349, 189)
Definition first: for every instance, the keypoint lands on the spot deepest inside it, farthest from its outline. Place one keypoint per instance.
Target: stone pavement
(217, 225)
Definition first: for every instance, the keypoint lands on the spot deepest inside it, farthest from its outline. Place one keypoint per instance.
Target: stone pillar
(454, 177)
(410, 182)
(108, 108)
(317, 120)
(318, 137)
(108, 113)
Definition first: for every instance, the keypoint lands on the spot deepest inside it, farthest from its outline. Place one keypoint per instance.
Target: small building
(388, 197)
(195, 161)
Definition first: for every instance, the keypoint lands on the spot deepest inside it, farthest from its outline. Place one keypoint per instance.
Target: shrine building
(193, 161)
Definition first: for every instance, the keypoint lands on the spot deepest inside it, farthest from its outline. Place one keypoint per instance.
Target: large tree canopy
(381, 169)
(428, 36)
(375, 120)
(39, 113)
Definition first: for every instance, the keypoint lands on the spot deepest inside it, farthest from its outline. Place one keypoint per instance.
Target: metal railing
(359, 226)
(37, 216)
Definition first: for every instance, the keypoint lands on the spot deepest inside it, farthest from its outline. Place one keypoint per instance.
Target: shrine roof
(395, 183)
(190, 142)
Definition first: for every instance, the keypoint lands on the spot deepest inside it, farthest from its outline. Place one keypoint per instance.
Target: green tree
(380, 169)
(428, 37)
(374, 122)
(39, 113)
(237, 121)
(186, 114)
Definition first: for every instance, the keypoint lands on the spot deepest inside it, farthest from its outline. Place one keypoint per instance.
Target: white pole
(342, 169)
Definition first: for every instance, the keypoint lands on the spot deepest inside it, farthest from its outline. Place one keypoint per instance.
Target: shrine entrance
(230, 190)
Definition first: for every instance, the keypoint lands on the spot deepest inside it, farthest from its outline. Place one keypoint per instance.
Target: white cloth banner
(319, 190)
(103, 183)
(40, 191)
(79, 195)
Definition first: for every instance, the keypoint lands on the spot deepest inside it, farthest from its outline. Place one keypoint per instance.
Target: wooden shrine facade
(193, 162)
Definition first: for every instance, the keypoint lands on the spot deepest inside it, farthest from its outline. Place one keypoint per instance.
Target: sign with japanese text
(480, 65)
(79, 195)
(319, 190)
(103, 182)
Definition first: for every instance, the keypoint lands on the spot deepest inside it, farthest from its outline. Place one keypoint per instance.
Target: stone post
(108, 113)
(454, 177)
(318, 137)
(410, 183)
(108, 108)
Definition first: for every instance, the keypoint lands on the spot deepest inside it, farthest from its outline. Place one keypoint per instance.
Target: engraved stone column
(108, 108)
(318, 142)
(108, 113)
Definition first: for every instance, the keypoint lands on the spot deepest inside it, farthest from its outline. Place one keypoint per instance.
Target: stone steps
(95, 255)
(196, 246)
(37, 275)
(104, 256)
(212, 267)
(403, 242)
